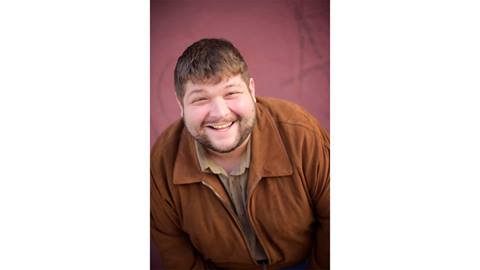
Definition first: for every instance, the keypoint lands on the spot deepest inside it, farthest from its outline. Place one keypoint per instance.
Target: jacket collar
(268, 154)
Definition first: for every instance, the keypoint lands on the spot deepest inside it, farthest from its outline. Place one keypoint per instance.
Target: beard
(245, 128)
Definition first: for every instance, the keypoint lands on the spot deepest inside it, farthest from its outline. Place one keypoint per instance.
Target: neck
(230, 159)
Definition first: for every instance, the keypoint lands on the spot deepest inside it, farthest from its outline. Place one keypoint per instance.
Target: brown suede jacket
(193, 223)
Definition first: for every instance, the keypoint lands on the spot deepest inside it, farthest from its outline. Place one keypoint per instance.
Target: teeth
(220, 126)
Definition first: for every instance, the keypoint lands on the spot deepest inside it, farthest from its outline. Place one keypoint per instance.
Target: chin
(223, 148)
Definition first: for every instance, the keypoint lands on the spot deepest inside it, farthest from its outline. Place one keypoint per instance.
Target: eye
(233, 93)
(198, 100)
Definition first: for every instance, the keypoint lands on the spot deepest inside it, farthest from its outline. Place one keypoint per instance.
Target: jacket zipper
(249, 198)
(234, 218)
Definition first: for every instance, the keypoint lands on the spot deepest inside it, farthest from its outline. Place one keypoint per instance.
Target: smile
(220, 126)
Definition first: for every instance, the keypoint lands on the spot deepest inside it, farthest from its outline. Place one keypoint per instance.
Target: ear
(180, 105)
(251, 85)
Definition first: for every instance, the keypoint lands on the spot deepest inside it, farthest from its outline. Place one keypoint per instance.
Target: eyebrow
(194, 91)
(231, 85)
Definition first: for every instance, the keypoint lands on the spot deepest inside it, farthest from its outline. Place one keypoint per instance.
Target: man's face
(219, 116)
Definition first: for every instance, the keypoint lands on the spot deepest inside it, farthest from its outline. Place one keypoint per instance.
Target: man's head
(216, 94)
(208, 61)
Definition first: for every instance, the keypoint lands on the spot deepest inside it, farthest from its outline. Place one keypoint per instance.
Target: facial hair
(245, 128)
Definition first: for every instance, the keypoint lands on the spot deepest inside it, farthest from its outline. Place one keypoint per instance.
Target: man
(240, 182)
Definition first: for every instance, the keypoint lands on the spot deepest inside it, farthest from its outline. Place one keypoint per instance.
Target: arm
(175, 248)
(320, 195)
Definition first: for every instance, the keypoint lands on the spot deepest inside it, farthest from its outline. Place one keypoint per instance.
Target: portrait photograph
(232, 188)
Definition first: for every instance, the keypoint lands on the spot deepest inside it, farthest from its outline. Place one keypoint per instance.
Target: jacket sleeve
(320, 196)
(174, 246)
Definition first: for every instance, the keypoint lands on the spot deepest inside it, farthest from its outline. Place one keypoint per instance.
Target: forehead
(206, 86)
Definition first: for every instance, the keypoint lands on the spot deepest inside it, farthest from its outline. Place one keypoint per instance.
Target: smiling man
(220, 116)
(240, 182)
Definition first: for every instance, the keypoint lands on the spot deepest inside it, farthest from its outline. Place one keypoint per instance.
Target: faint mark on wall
(305, 30)
(306, 36)
(305, 72)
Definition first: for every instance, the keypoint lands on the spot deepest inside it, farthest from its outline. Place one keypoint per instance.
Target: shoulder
(286, 112)
(166, 145)
(292, 119)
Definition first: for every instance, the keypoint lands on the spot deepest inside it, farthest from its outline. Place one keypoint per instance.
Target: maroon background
(285, 43)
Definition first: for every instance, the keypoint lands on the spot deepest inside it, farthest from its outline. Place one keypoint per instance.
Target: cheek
(194, 116)
(243, 108)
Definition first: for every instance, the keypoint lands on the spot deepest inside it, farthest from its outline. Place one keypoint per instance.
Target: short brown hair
(208, 61)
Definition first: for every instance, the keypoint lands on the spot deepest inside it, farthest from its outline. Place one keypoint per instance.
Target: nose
(219, 108)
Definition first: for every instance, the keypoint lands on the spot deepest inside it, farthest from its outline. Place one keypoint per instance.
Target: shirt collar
(209, 166)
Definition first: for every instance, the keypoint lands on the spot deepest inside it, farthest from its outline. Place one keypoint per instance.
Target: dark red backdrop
(285, 43)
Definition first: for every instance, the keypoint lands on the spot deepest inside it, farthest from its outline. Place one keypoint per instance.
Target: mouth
(220, 126)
